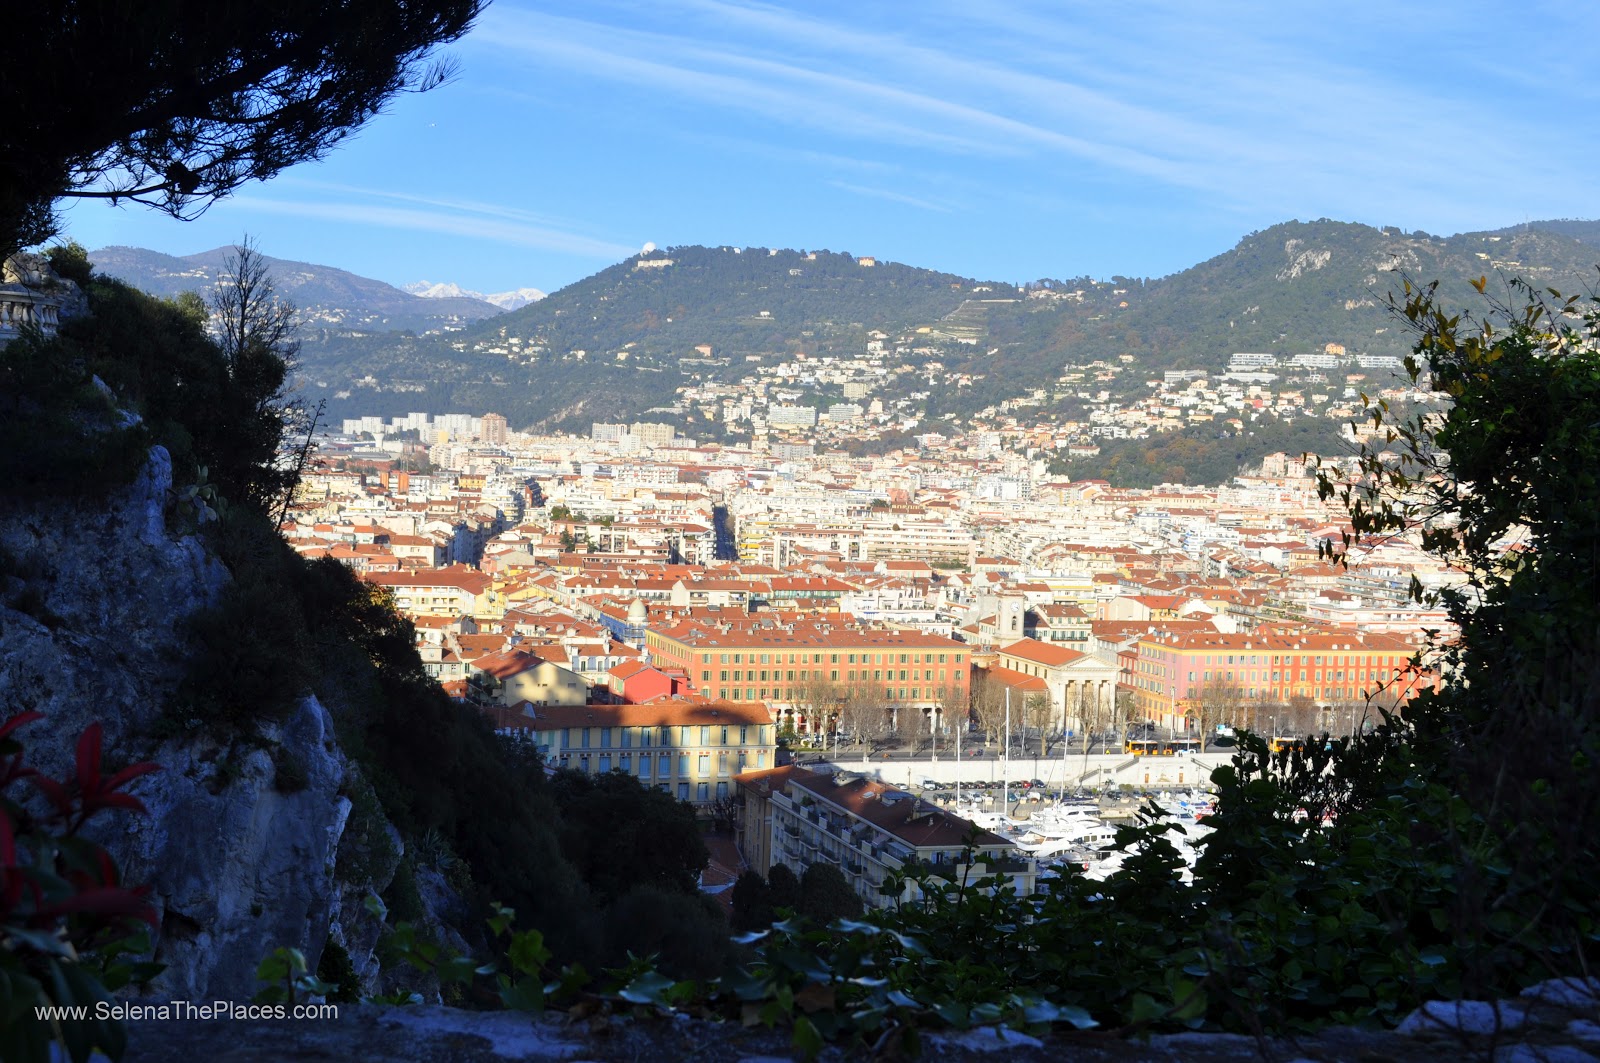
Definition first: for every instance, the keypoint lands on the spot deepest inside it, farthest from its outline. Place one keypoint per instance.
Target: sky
(995, 140)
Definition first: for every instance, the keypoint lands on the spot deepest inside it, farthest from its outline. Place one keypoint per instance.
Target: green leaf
(807, 1039)
(647, 988)
(523, 995)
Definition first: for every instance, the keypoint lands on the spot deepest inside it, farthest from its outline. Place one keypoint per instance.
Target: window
(627, 737)
(644, 767)
(705, 675)
(738, 675)
(761, 759)
(738, 658)
(683, 791)
(766, 658)
(584, 731)
(605, 763)
(723, 659)
(744, 735)
(605, 738)
(702, 792)
(834, 675)
(723, 675)
(722, 764)
(644, 737)
(722, 791)
(683, 765)
(704, 764)
(724, 739)
(705, 735)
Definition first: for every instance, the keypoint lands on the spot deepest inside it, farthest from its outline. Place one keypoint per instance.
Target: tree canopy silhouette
(175, 103)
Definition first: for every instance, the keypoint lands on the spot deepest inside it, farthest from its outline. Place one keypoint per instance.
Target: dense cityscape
(703, 616)
(486, 575)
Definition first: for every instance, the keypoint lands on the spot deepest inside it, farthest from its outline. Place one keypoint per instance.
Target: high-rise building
(495, 429)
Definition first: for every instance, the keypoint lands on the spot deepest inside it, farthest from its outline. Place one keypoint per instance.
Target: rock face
(237, 872)
(240, 844)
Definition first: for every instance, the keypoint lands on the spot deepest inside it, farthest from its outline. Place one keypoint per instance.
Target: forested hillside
(618, 344)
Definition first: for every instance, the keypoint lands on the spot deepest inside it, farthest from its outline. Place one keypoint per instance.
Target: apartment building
(784, 663)
(869, 831)
(1171, 671)
(689, 747)
(453, 591)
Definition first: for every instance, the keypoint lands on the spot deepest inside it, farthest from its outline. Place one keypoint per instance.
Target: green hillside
(621, 343)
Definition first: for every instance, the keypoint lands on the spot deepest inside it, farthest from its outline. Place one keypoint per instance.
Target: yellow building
(689, 747)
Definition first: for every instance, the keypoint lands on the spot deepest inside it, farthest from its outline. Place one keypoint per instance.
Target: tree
(1093, 713)
(1219, 701)
(620, 834)
(256, 334)
(1504, 486)
(825, 894)
(816, 699)
(989, 707)
(752, 903)
(862, 711)
(177, 105)
(784, 887)
(1039, 714)
(953, 706)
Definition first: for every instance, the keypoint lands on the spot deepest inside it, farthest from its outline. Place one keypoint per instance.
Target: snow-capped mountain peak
(504, 300)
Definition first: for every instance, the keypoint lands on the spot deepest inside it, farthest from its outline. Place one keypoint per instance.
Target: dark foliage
(619, 834)
(687, 932)
(825, 894)
(178, 104)
(752, 903)
(785, 887)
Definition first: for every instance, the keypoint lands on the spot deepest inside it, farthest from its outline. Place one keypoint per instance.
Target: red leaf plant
(61, 894)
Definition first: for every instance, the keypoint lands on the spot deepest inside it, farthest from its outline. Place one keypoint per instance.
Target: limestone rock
(93, 612)
(1480, 1018)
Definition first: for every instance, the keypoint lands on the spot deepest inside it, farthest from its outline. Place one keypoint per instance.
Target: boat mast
(1005, 763)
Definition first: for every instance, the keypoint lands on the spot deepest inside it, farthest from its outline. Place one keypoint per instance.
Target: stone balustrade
(22, 307)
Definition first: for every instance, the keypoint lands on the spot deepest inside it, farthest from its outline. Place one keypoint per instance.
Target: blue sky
(1003, 141)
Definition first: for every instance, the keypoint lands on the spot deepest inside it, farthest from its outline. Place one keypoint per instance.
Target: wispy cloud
(1238, 106)
(468, 206)
(892, 196)
(497, 229)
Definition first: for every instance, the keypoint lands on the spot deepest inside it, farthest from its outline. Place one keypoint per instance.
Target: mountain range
(620, 343)
(325, 297)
